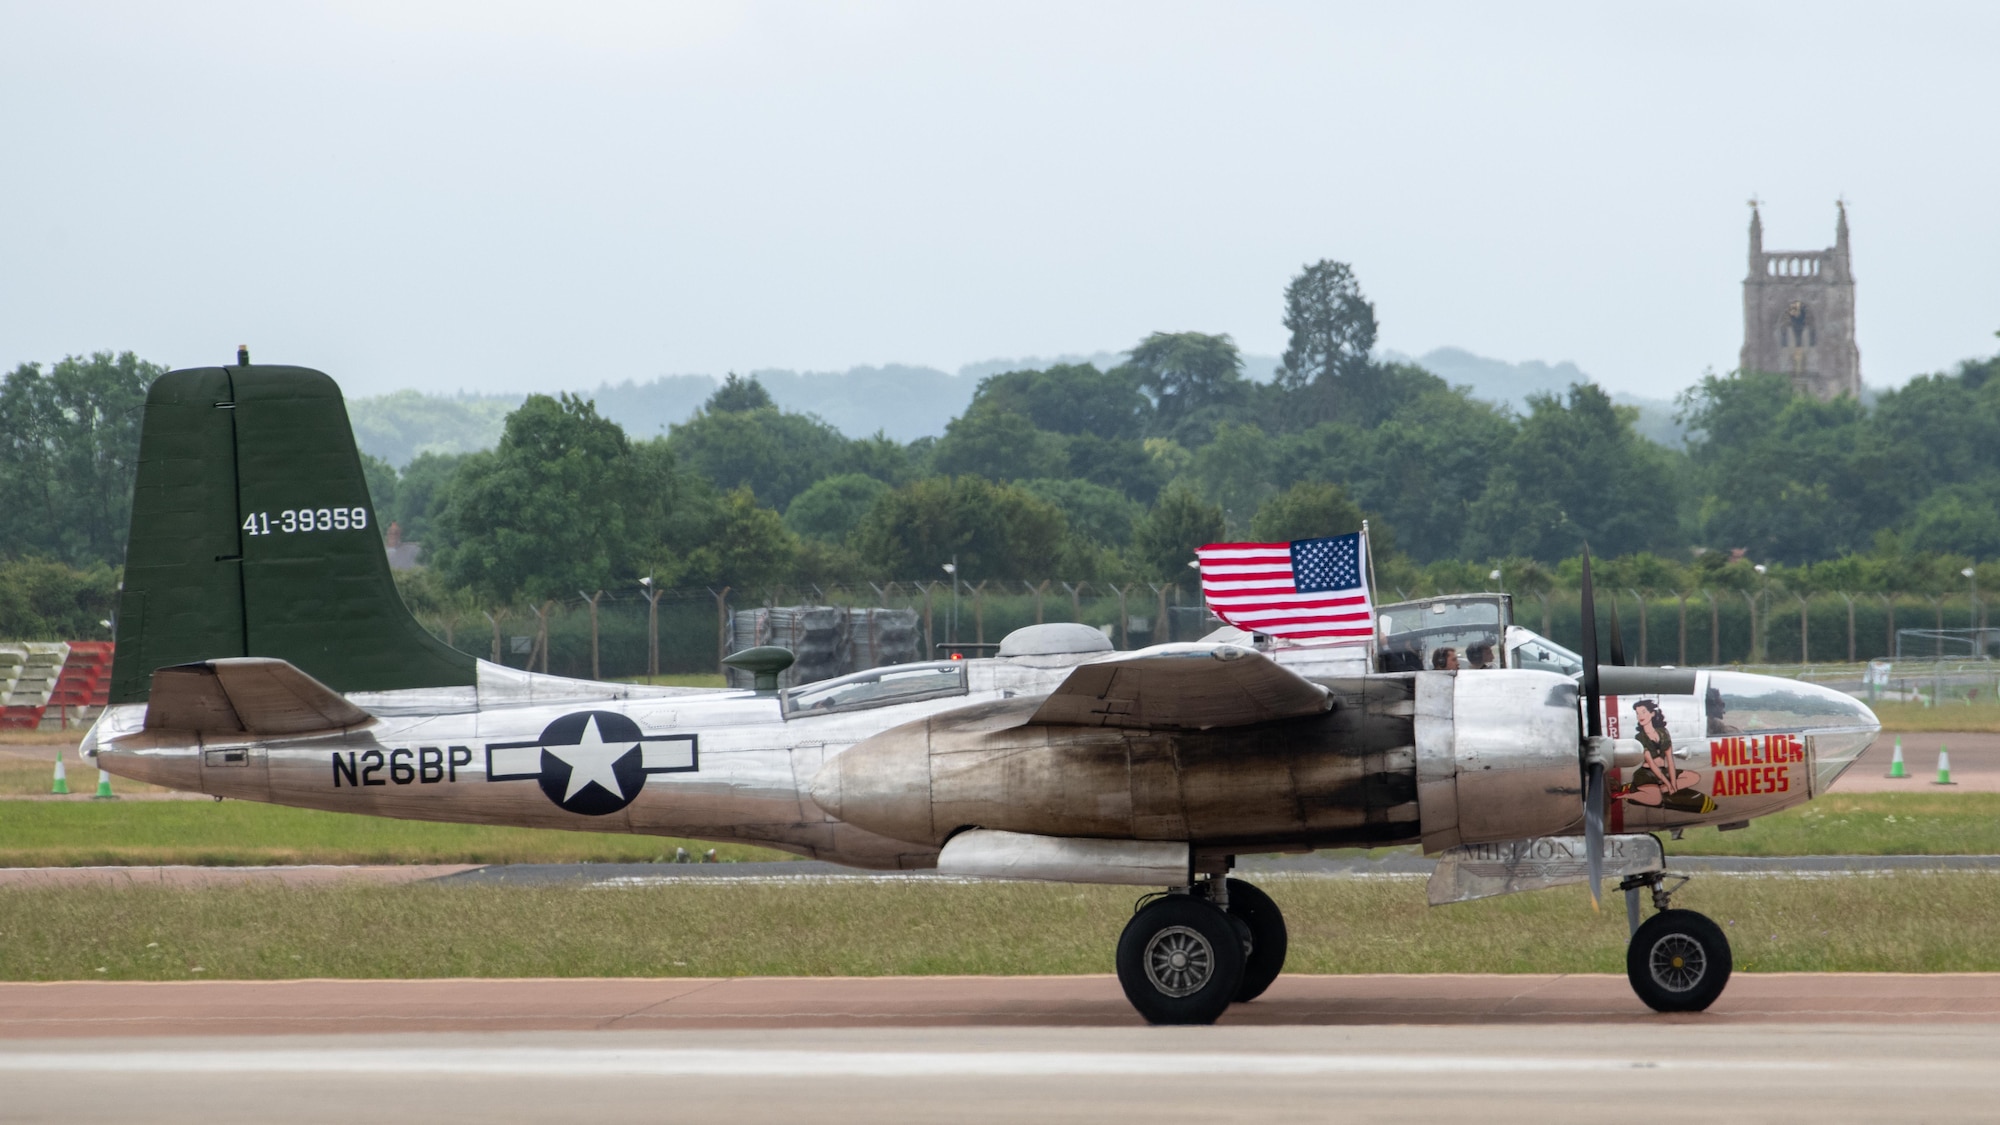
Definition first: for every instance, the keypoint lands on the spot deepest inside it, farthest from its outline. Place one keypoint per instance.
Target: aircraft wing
(1182, 687)
(247, 696)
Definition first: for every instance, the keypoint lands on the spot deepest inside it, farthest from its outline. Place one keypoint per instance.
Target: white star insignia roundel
(591, 762)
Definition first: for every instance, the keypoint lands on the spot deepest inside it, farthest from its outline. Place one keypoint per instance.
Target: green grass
(237, 833)
(1920, 823)
(679, 679)
(1948, 716)
(1908, 923)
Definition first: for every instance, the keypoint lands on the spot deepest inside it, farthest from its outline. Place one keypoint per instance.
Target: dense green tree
(1102, 515)
(1164, 542)
(1422, 470)
(44, 600)
(69, 448)
(995, 531)
(882, 457)
(1575, 472)
(1071, 399)
(1117, 463)
(1785, 476)
(1958, 519)
(380, 476)
(831, 509)
(562, 504)
(1307, 510)
(1332, 326)
(736, 443)
(1195, 381)
(730, 540)
(1234, 472)
(737, 394)
(998, 445)
(419, 493)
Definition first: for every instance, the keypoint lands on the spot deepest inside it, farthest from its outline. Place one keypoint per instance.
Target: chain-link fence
(630, 633)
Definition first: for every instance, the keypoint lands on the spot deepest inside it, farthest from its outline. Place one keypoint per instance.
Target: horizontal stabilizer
(1183, 687)
(251, 696)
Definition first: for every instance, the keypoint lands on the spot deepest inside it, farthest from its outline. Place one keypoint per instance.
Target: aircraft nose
(1839, 725)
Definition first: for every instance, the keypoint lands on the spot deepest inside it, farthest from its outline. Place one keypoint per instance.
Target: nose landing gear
(1678, 960)
(1187, 955)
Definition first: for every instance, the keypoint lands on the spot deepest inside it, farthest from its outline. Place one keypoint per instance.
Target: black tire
(1180, 961)
(1678, 961)
(1269, 940)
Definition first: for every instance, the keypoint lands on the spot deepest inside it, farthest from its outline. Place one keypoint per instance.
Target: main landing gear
(1188, 954)
(1678, 960)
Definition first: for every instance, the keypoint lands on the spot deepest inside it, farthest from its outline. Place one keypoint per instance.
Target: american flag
(1305, 589)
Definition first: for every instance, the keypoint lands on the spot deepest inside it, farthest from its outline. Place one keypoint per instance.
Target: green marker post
(1896, 769)
(61, 787)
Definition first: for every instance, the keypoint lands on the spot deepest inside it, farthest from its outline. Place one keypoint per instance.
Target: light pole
(1756, 635)
(1972, 609)
(951, 568)
(652, 627)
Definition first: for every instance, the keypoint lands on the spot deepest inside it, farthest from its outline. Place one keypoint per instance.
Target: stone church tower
(1798, 314)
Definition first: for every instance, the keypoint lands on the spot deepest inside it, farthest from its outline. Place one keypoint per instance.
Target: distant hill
(398, 427)
(1510, 384)
(906, 402)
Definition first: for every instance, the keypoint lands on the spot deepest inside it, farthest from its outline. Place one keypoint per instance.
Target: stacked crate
(826, 641)
(83, 687)
(28, 675)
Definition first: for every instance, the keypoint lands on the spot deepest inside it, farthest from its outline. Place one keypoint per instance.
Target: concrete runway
(69, 1009)
(1502, 1049)
(1975, 764)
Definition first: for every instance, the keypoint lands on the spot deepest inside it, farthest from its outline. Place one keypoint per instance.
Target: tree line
(1115, 474)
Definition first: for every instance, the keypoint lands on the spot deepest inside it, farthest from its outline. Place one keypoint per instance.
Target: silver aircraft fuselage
(881, 769)
(540, 751)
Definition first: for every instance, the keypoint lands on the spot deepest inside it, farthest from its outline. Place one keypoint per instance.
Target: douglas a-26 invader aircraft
(264, 654)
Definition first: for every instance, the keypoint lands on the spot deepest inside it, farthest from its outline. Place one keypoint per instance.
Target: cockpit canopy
(876, 687)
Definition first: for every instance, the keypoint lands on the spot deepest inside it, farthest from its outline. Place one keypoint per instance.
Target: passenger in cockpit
(1479, 655)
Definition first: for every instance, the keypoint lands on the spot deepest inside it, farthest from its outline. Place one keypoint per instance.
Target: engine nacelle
(1497, 756)
(1444, 757)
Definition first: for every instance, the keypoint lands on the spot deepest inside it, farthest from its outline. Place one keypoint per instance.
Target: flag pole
(1368, 556)
(1368, 553)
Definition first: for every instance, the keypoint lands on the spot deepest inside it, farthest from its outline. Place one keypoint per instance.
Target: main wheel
(1180, 960)
(1678, 961)
(1268, 938)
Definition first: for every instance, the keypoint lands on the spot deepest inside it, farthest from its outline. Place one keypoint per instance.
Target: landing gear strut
(1678, 960)
(1187, 955)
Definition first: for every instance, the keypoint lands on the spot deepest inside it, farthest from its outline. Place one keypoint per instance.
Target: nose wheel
(1678, 960)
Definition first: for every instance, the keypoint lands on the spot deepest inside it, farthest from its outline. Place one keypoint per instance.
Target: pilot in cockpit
(1479, 655)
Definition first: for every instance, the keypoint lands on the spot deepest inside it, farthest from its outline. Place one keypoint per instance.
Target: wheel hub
(1678, 962)
(1179, 961)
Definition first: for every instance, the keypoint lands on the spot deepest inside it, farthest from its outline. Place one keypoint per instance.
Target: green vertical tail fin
(253, 534)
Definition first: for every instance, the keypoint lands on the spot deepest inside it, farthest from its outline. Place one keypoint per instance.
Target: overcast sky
(514, 196)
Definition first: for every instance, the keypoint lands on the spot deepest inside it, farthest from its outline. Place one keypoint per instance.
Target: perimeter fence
(618, 634)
